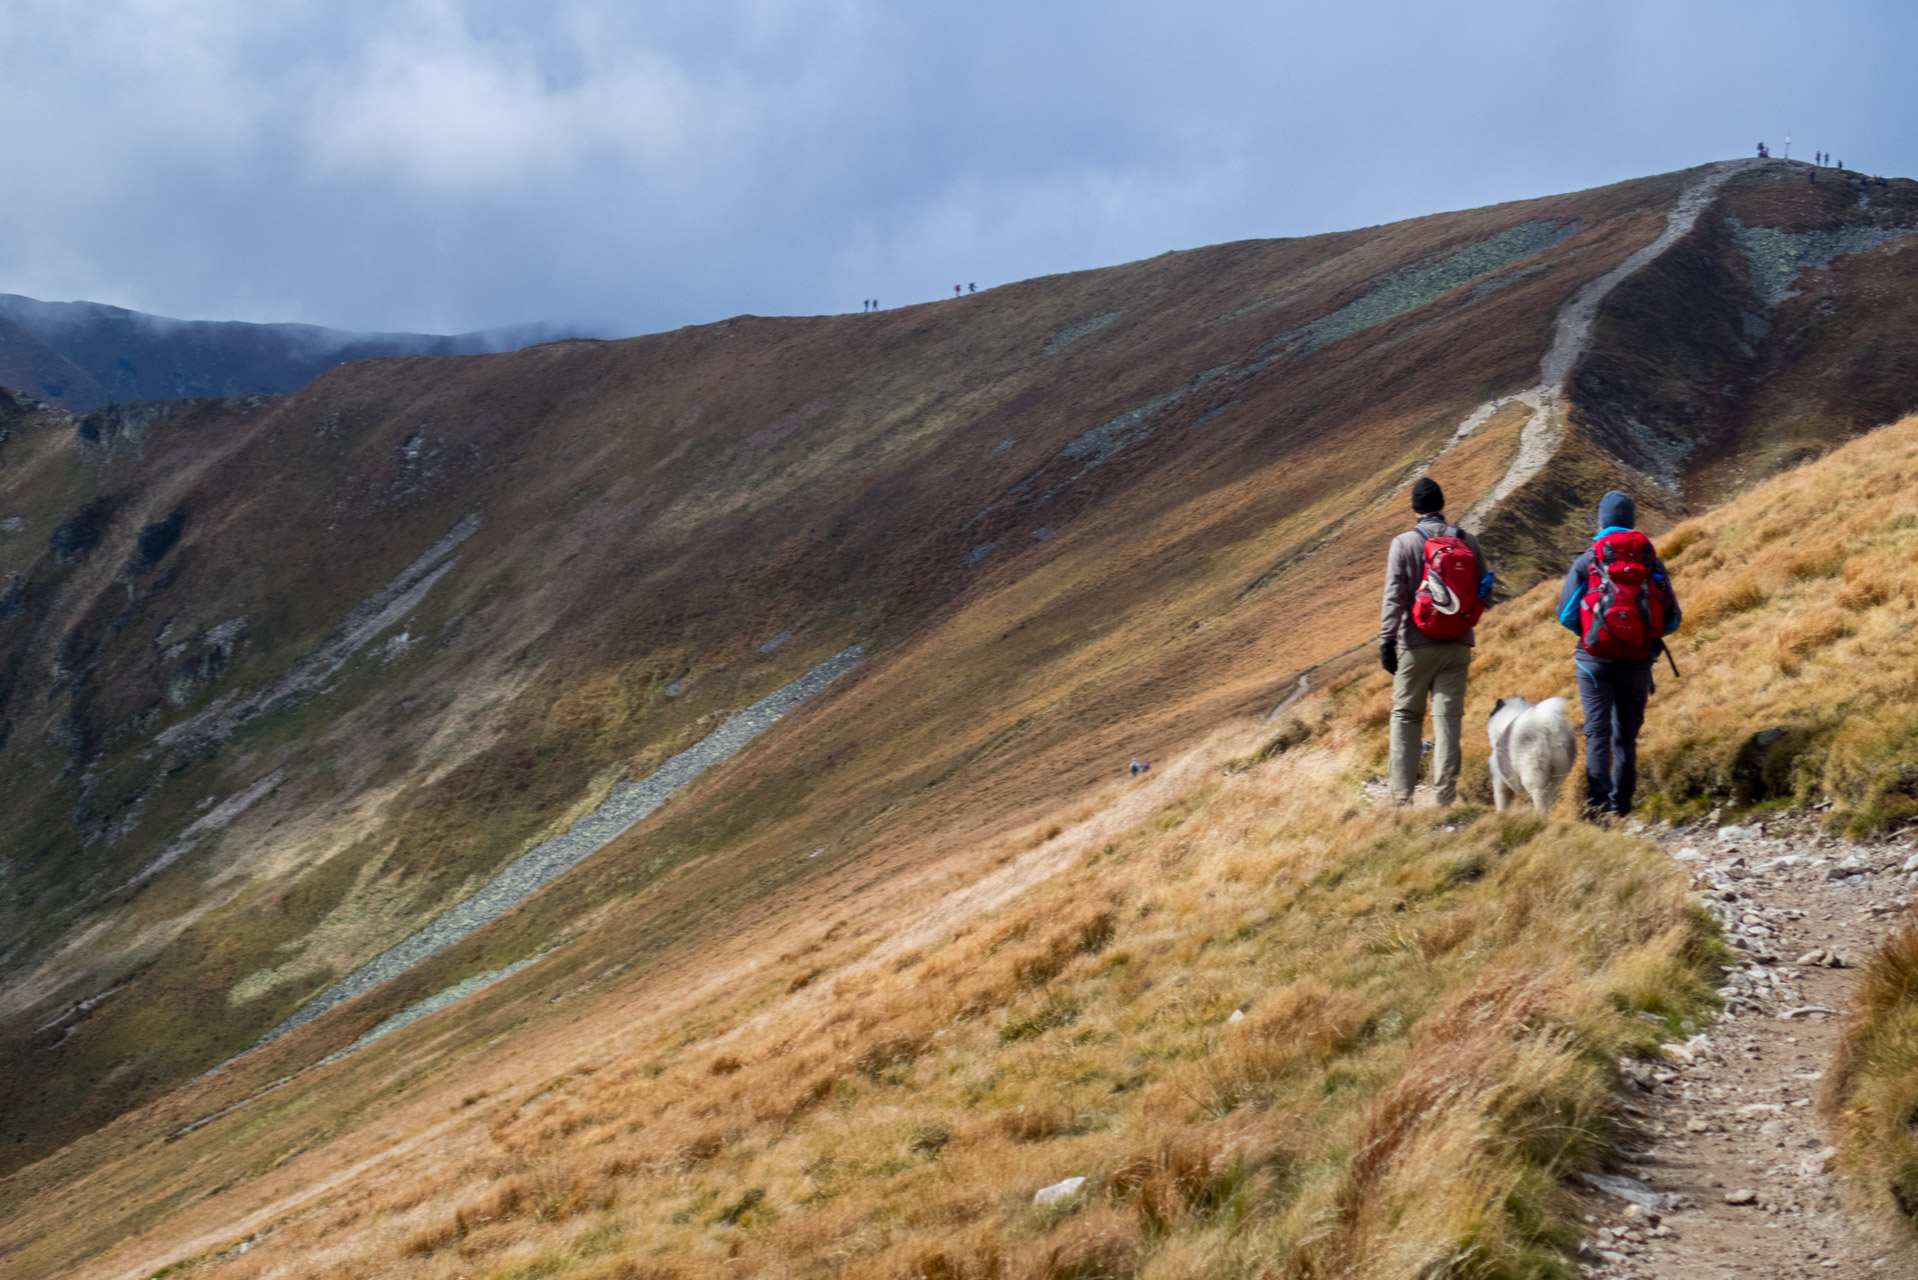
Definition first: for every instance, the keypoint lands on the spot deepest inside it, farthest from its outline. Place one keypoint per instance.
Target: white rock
(1689, 854)
(1818, 1163)
(1630, 1190)
(1057, 1191)
(1238, 1015)
(1736, 833)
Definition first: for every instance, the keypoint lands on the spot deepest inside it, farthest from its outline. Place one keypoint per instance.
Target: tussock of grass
(1872, 1094)
(1432, 1016)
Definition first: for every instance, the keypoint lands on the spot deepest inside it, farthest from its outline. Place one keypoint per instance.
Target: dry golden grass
(1433, 1009)
(1871, 1095)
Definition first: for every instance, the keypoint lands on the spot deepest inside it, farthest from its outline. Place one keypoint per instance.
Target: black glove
(1389, 657)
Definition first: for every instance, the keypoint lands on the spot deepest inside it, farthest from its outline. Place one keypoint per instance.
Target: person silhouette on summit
(1618, 599)
(1437, 584)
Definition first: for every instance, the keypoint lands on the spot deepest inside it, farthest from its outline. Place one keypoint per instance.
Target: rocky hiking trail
(1731, 1172)
(1544, 431)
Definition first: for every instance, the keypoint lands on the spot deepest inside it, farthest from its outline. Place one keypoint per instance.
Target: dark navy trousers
(1614, 694)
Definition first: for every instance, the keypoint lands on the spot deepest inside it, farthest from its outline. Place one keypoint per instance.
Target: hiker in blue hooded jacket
(1618, 600)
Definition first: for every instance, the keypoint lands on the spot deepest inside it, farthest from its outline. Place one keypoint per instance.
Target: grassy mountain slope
(1427, 1004)
(652, 513)
(1073, 520)
(1276, 1030)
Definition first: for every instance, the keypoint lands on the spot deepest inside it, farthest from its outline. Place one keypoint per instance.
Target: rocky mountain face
(82, 355)
(285, 681)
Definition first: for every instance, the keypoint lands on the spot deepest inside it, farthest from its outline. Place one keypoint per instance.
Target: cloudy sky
(634, 165)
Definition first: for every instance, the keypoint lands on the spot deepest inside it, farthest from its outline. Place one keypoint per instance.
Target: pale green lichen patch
(1775, 258)
(1084, 329)
(1409, 290)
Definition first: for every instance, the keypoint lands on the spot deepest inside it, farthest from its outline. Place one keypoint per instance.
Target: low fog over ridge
(81, 355)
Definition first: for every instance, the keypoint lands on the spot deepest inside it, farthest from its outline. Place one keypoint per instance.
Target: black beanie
(1427, 496)
(1617, 511)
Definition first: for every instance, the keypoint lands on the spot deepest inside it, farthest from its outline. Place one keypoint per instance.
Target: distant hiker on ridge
(1437, 583)
(1618, 599)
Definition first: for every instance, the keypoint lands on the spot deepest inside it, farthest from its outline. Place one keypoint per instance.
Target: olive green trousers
(1435, 673)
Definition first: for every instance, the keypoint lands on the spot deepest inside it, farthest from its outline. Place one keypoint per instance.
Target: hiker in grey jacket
(1423, 668)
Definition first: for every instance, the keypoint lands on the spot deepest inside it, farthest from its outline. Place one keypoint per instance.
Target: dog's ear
(1497, 705)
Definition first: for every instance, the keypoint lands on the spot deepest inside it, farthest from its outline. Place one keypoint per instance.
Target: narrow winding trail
(1544, 431)
(1733, 1169)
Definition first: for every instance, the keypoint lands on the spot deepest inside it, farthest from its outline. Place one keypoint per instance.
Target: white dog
(1532, 751)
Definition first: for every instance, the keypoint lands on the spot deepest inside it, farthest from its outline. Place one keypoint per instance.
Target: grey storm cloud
(463, 164)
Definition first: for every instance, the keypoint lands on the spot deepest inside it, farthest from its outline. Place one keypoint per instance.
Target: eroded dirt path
(1544, 431)
(1735, 1165)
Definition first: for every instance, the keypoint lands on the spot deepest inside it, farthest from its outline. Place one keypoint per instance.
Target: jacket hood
(1617, 511)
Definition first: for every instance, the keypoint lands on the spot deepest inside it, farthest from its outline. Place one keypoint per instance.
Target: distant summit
(81, 355)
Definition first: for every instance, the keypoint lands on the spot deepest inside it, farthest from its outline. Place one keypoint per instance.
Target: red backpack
(1622, 615)
(1447, 606)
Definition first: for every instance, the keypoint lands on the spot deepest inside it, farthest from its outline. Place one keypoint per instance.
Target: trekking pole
(1667, 651)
